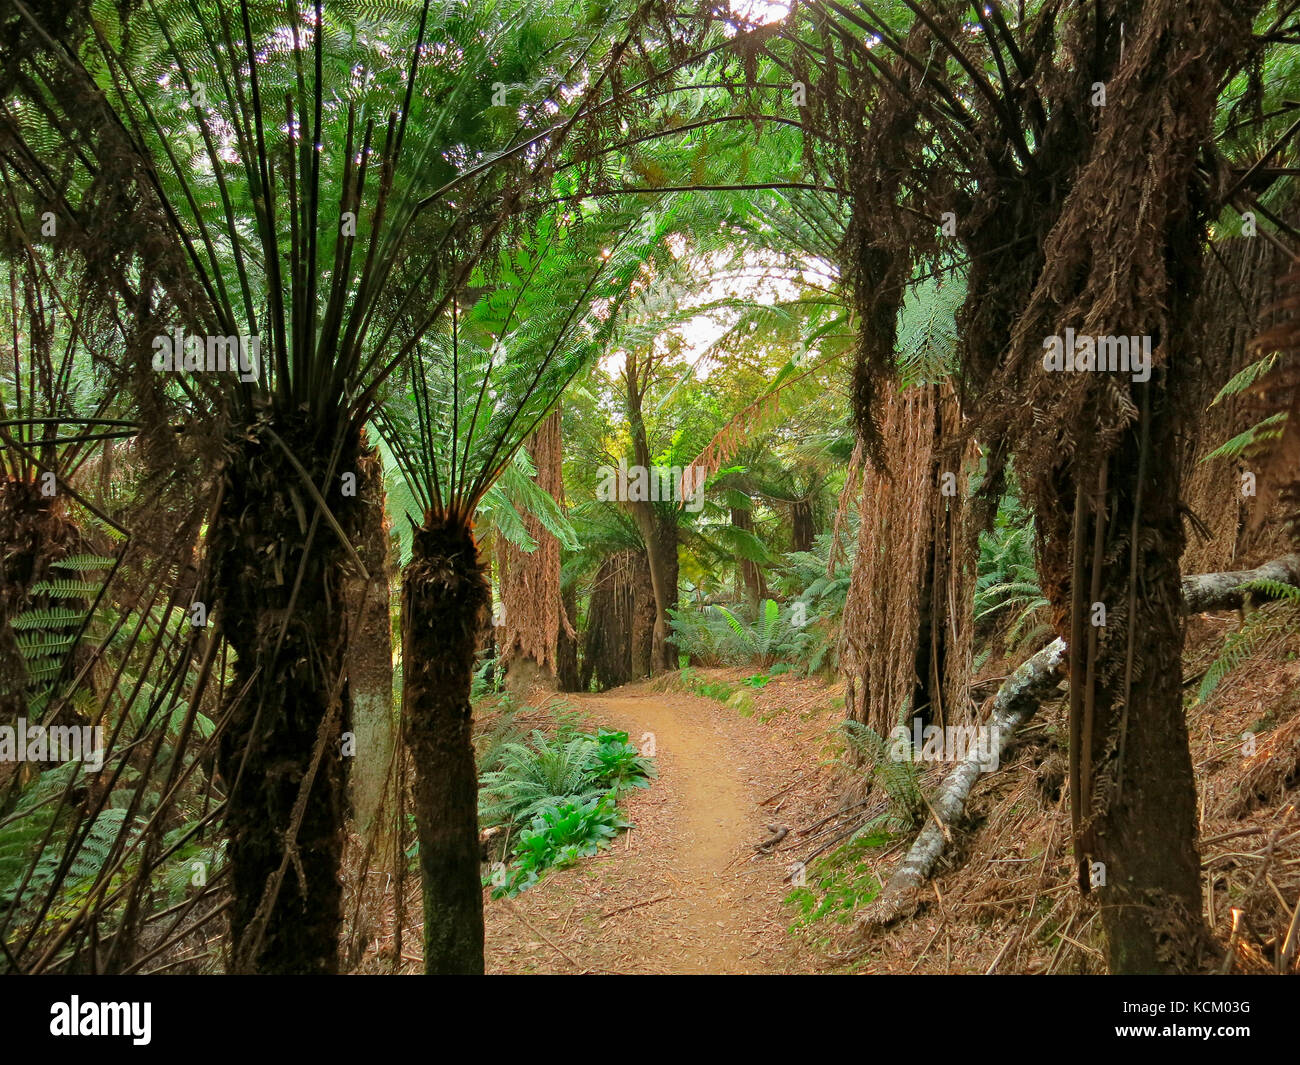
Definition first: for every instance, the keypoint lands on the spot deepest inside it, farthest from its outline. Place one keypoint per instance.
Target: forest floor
(684, 891)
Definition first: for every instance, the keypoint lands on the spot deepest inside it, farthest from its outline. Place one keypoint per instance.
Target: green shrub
(616, 764)
(901, 781)
(736, 636)
(535, 775)
(839, 885)
(559, 835)
(565, 788)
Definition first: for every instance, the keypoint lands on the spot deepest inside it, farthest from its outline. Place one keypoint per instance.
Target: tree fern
(535, 775)
(1269, 623)
(899, 779)
(34, 841)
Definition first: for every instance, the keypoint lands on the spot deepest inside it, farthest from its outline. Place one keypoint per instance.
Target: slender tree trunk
(658, 528)
(445, 593)
(660, 538)
(751, 574)
(370, 650)
(280, 574)
(803, 525)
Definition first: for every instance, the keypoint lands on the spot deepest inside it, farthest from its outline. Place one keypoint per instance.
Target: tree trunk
(529, 583)
(751, 574)
(658, 528)
(906, 629)
(369, 652)
(644, 613)
(445, 594)
(566, 652)
(660, 536)
(803, 525)
(610, 642)
(280, 574)
(1109, 504)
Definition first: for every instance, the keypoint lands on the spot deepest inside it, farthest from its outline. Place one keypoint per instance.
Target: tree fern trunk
(279, 577)
(370, 650)
(1109, 505)
(444, 595)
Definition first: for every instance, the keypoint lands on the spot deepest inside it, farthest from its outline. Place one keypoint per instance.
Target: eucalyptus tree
(278, 201)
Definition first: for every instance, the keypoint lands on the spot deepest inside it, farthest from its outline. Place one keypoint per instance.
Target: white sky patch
(760, 11)
(761, 278)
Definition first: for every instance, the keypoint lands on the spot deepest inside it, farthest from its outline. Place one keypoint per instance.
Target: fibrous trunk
(1105, 455)
(905, 638)
(445, 594)
(803, 525)
(751, 574)
(529, 581)
(620, 620)
(279, 574)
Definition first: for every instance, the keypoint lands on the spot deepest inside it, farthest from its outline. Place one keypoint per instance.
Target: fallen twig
(634, 905)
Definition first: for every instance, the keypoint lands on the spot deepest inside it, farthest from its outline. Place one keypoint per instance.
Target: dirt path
(682, 892)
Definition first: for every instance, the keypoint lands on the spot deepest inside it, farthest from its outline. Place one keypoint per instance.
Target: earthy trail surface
(684, 891)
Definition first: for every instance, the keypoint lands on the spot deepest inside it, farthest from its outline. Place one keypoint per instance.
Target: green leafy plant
(566, 789)
(1262, 432)
(899, 779)
(729, 636)
(487, 678)
(696, 685)
(839, 885)
(535, 775)
(1006, 584)
(1271, 622)
(48, 635)
(560, 834)
(617, 764)
(35, 839)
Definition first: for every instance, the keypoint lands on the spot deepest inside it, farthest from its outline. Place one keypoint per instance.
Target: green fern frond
(1268, 623)
(84, 563)
(1246, 377)
(66, 589)
(1269, 428)
(54, 618)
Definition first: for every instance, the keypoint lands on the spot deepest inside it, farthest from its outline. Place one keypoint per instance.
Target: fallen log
(1227, 591)
(1015, 703)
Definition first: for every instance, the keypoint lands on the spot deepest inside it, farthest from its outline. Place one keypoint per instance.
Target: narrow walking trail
(684, 891)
